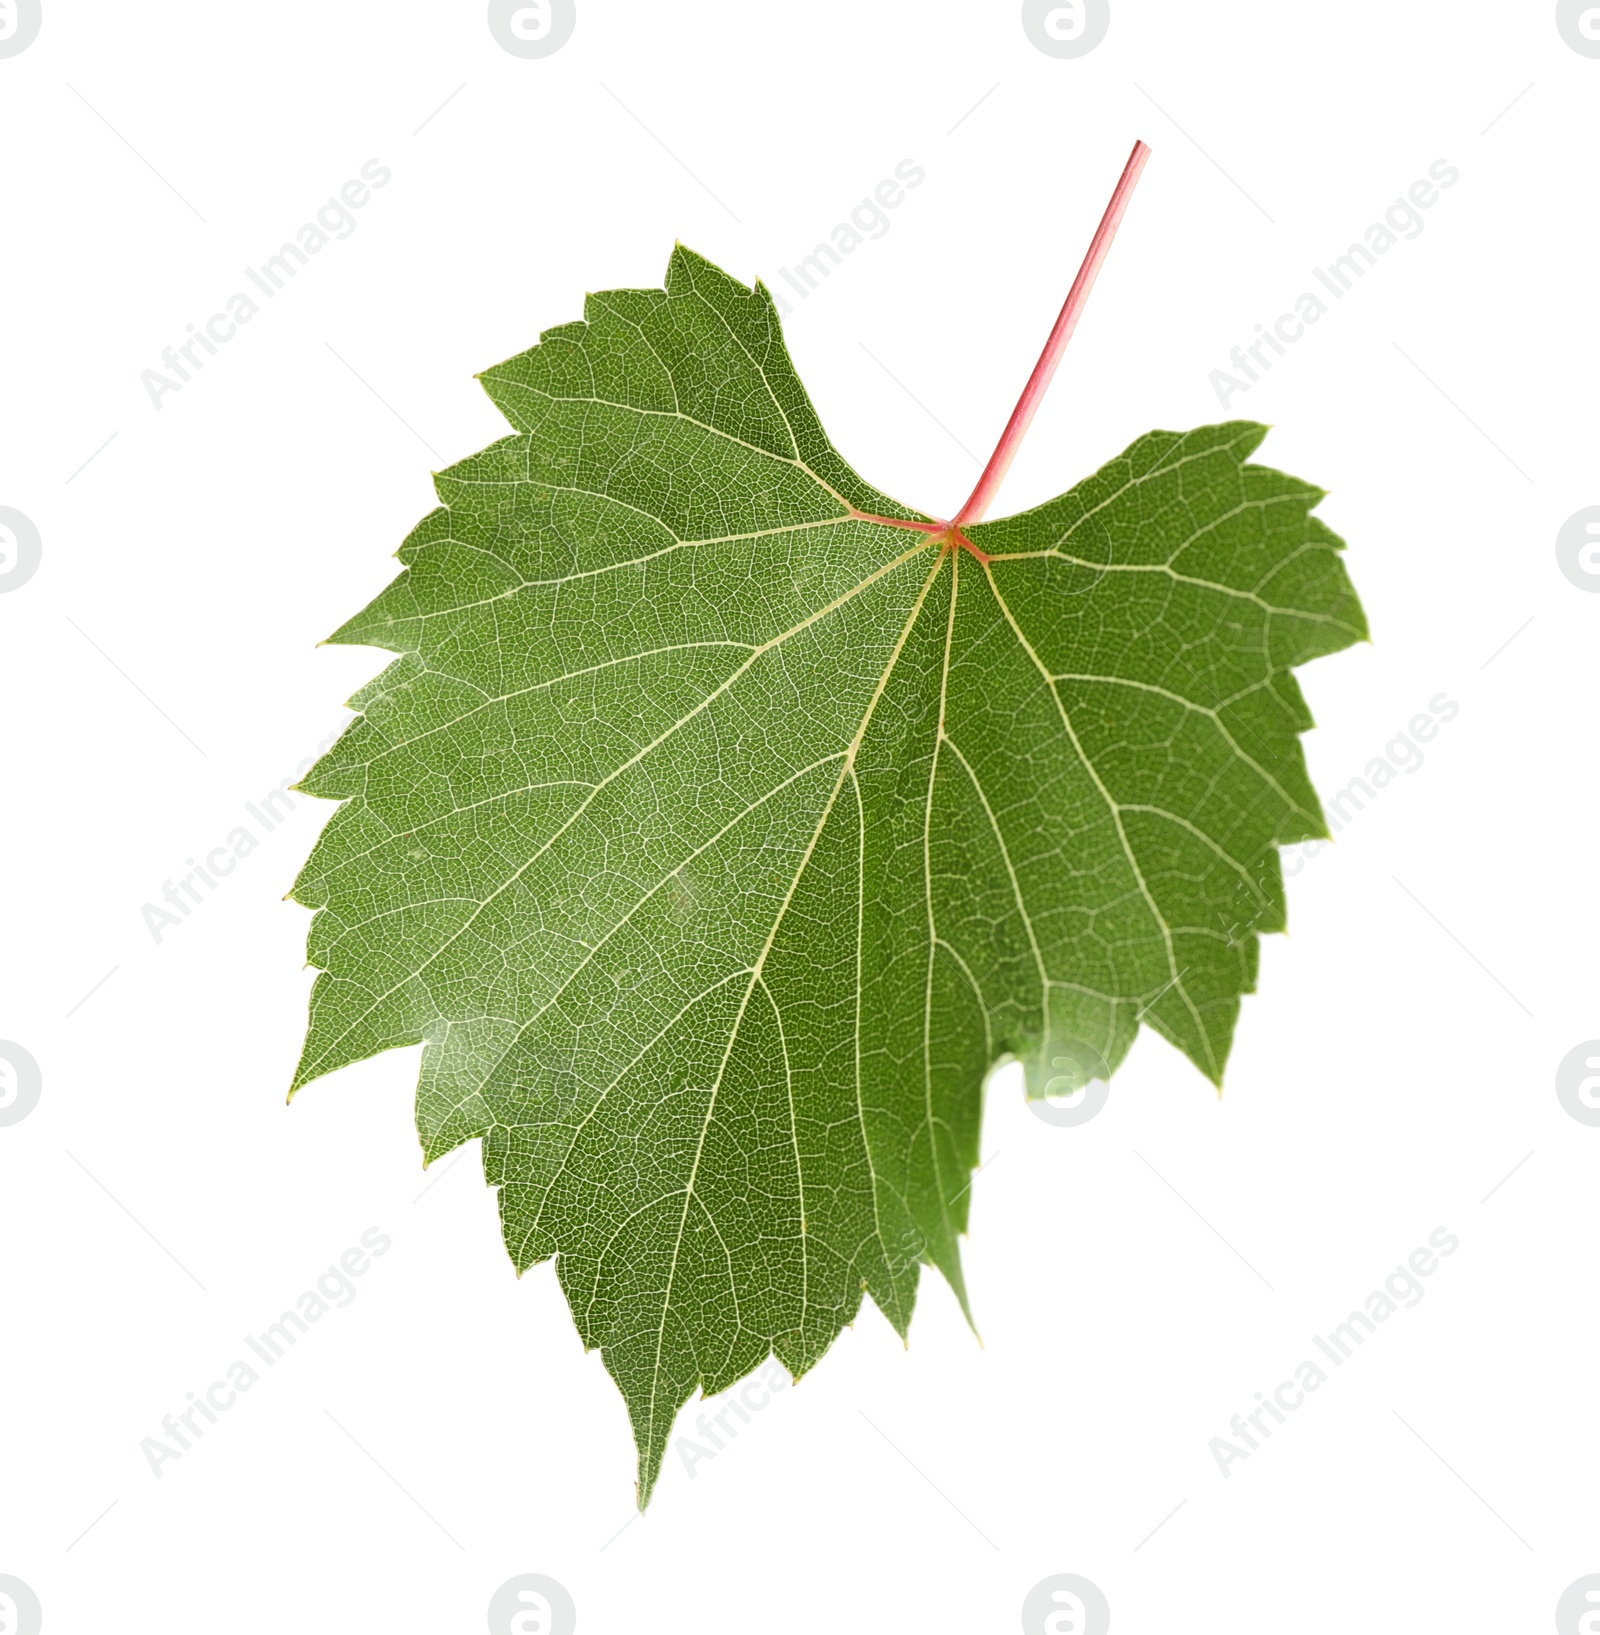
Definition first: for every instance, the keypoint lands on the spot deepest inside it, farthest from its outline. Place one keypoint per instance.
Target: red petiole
(1043, 372)
(1039, 381)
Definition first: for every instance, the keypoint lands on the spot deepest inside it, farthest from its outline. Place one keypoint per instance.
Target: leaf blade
(721, 823)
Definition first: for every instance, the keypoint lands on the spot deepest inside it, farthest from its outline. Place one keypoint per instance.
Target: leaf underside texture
(723, 821)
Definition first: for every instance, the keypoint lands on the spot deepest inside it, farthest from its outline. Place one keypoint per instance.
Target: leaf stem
(1039, 381)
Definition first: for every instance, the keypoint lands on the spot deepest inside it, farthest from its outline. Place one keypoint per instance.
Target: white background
(1138, 1279)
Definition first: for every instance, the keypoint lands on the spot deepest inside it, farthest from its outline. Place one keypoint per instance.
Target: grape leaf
(723, 821)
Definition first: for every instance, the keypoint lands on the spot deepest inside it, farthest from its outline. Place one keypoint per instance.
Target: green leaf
(724, 821)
